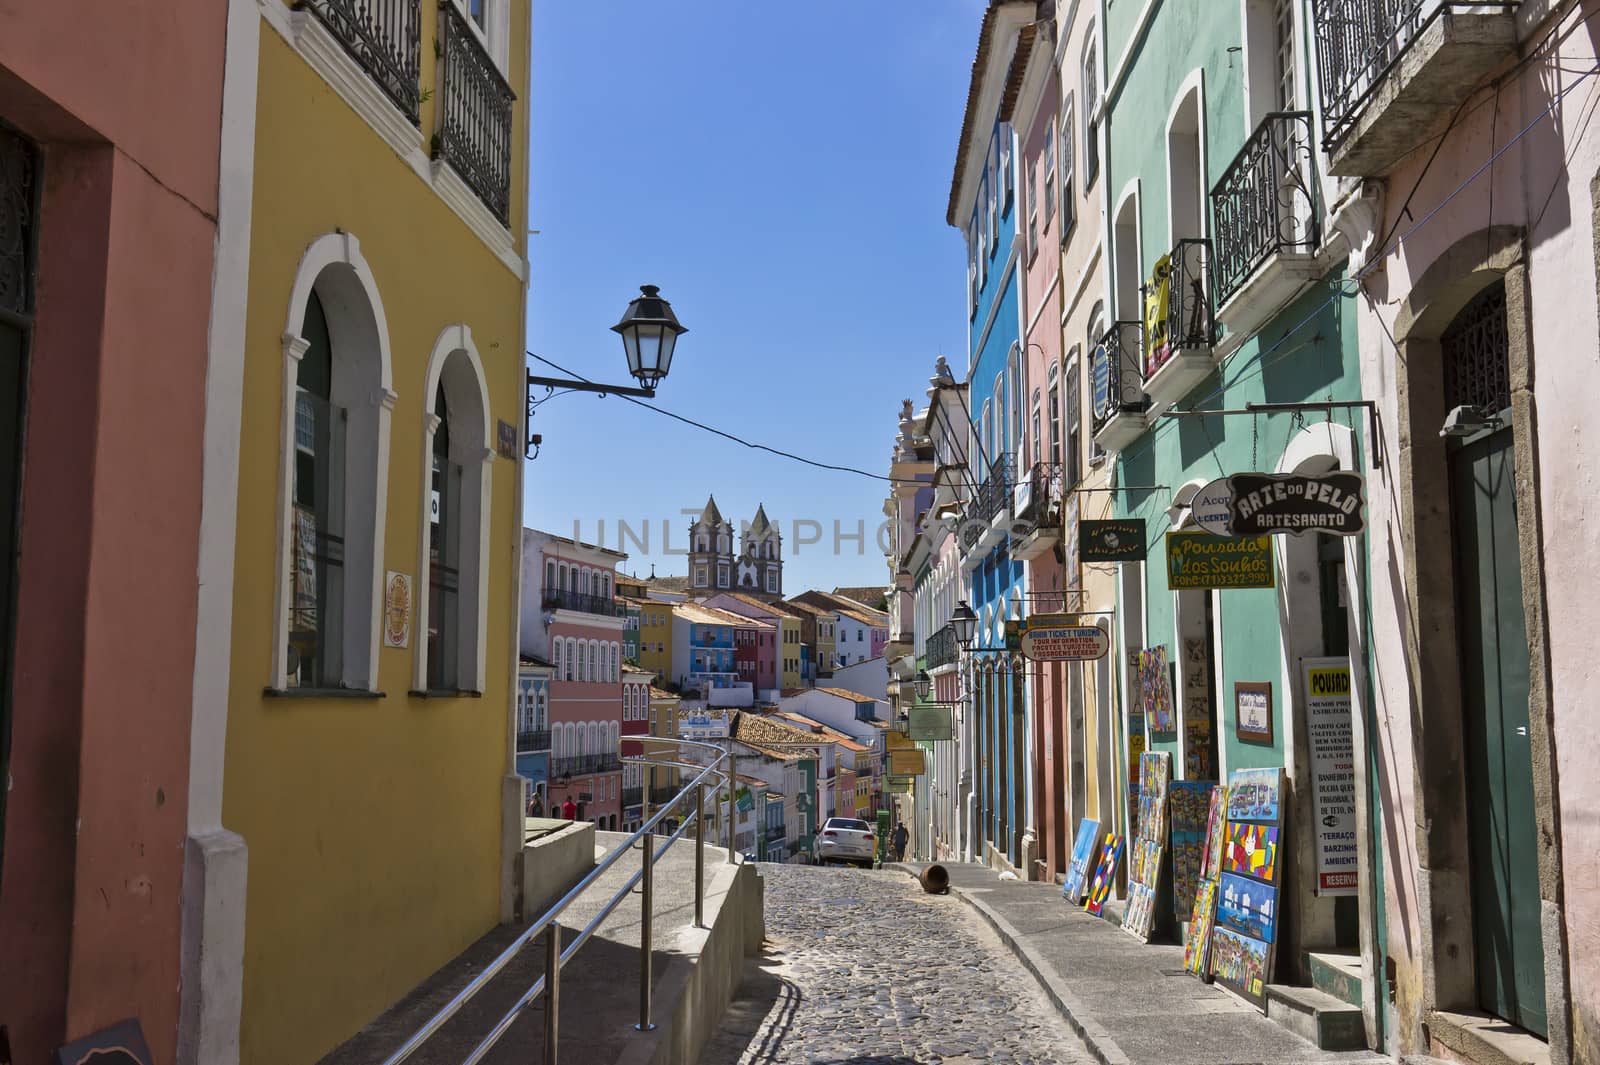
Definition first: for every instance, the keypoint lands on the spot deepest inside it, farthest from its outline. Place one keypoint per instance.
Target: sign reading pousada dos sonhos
(1267, 503)
(1199, 560)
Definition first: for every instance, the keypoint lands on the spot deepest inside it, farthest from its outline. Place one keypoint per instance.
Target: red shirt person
(569, 810)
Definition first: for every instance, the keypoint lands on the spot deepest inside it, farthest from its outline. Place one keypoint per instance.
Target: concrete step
(1337, 974)
(1316, 1016)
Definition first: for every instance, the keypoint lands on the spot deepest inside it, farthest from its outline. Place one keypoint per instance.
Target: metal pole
(733, 800)
(699, 858)
(645, 937)
(552, 990)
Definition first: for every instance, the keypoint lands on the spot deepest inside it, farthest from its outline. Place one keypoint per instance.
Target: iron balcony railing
(1118, 384)
(584, 764)
(993, 495)
(1360, 41)
(632, 796)
(1043, 481)
(473, 131)
(1266, 202)
(533, 740)
(559, 949)
(942, 648)
(605, 606)
(1177, 299)
(775, 833)
(384, 37)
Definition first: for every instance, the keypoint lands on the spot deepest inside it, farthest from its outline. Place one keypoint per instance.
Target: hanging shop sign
(1197, 560)
(1212, 507)
(1059, 638)
(1330, 729)
(907, 763)
(1111, 540)
(930, 722)
(1267, 503)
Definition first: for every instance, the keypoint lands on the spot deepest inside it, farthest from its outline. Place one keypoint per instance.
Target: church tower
(711, 551)
(761, 558)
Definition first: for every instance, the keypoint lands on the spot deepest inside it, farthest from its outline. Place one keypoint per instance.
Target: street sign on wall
(1267, 503)
(930, 722)
(1198, 560)
(1111, 540)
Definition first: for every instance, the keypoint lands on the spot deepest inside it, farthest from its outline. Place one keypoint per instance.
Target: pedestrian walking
(536, 806)
(900, 838)
(569, 809)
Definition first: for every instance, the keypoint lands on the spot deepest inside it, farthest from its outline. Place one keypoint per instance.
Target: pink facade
(114, 113)
(879, 639)
(586, 721)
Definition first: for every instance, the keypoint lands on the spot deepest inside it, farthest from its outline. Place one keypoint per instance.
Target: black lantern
(649, 332)
(966, 623)
(924, 684)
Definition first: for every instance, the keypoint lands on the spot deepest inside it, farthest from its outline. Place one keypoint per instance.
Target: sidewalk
(1132, 1002)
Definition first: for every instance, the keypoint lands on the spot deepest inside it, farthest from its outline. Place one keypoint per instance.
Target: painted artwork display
(1083, 848)
(1216, 822)
(1146, 856)
(1188, 805)
(1144, 861)
(1197, 944)
(1155, 776)
(1253, 794)
(1240, 962)
(1246, 906)
(1105, 874)
(1155, 691)
(1251, 850)
(1140, 914)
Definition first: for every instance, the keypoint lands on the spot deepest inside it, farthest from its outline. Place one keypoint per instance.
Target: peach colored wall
(1530, 189)
(125, 102)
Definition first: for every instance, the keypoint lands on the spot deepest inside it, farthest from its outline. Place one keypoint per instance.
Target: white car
(845, 839)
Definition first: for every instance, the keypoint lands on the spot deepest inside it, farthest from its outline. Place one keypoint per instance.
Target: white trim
(1130, 193)
(458, 195)
(454, 339)
(211, 955)
(1125, 61)
(1195, 83)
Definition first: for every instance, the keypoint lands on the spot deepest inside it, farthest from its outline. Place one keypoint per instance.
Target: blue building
(702, 646)
(983, 205)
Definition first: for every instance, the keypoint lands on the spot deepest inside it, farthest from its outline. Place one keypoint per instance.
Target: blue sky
(782, 172)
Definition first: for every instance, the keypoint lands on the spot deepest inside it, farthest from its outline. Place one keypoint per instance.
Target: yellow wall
(790, 641)
(657, 662)
(373, 826)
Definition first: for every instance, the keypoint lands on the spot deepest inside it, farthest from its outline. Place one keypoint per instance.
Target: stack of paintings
(1144, 872)
(1197, 945)
(1083, 852)
(1105, 874)
(1243, 942)
(1189, 804)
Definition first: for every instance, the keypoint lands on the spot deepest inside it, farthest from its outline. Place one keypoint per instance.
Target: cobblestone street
(862, 967)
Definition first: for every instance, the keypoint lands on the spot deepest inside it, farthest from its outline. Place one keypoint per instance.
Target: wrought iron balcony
(942, 649)
(473, 131)
(1266, 202)
(533, 740)
(584, 765)
(1181, 286)
(776, 833)
(632, 796)
(994, 494)
(1038, 492)
(605, 606)
(1361, 43)
(384, 37)
(1118, 383)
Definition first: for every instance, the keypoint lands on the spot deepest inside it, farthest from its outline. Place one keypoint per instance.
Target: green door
(1494, 689)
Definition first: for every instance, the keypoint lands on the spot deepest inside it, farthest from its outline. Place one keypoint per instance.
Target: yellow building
(373, 227)
(655, 637)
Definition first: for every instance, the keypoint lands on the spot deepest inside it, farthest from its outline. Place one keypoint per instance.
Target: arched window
(549, 574)
(591, 665)
(616, 662)
(335, 419)
(562, 577)
(557, 647)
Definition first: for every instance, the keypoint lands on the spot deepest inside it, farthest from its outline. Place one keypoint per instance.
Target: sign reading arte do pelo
(1267, 503)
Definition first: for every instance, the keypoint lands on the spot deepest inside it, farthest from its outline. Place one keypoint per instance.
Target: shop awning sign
(1111, 540)
(1268, 503)
(1063, 642)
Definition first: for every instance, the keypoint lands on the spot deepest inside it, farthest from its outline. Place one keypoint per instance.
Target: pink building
(110, 137)
(572, 619)
(635, 722)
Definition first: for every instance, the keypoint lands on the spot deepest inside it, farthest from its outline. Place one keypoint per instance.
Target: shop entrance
(1508, 944)
(18, 195)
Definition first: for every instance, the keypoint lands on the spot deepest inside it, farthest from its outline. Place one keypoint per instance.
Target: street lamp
(966, 624)
(924, 684)
(649, 332)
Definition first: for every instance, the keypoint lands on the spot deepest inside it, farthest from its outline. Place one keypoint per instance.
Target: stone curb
(1094, 1036)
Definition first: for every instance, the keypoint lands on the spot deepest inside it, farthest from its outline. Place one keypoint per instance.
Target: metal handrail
(549, 919)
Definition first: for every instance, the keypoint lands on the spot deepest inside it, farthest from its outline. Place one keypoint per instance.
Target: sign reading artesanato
(1267, 503)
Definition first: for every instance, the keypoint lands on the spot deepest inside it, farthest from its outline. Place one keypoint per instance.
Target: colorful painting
(1140, 915)
(1155, 775)
(1254, 794)
(1189, 804)
(1240, 962)
(1246, 906)
(1251, 850)
(1216, 822)
(1105, 873)
(1155, 690)
(1198, 944)
(1082, 854)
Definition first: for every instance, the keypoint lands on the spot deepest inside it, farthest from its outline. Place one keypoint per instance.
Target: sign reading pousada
(1059, 638)
(1267, 503)
(1199, 560)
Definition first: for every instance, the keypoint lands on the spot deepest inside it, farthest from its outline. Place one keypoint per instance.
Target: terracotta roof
(662, 693)
(980, 62)
(636, 671)
(535, 660)
(845, 693)
(670, 584)
(809, 608)
(1019, 68)
(866, 596)
(879, 621)
(619, 555)
(770, 736)
(706, 615)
